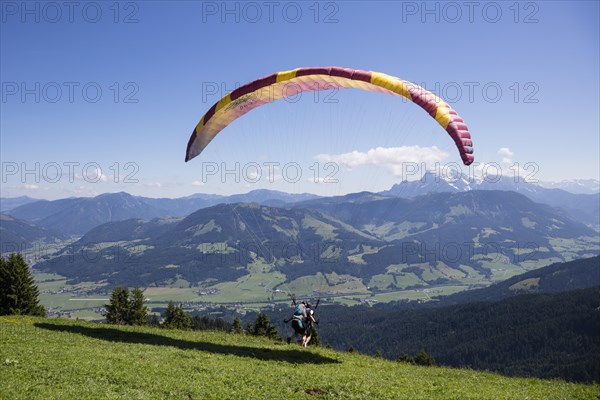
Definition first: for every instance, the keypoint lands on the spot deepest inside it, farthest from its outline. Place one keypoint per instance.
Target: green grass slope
(63, 359)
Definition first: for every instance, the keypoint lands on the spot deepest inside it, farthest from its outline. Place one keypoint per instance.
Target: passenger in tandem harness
(302, 321)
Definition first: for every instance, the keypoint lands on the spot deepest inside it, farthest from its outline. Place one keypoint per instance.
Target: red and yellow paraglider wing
(290, 83)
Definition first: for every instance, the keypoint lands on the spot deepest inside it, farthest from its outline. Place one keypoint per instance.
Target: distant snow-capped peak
(433, 181)
(579, 186)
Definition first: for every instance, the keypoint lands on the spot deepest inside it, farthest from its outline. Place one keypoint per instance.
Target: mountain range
(8, 203)
(578, 186)
(76, 216)
(417, 234)
(381, 243)
(583, 206)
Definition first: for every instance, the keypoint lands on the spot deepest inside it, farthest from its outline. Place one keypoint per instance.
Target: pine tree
(18, 292)
(263, 327)
(422, 358)
(237, 326)
(118, 308)
(405, 358)
(176, 317)
(314, 339)
(153, 320)
(221, 325)
(138, 312)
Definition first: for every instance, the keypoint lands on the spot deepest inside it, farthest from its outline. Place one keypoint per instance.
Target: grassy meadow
(66, 359)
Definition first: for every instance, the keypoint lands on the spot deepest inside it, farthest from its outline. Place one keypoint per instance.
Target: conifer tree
(237, 326)
(405, 358)
(18, 292)
(118, 308)
(422, 358)
(153, 320)
(263, 327)
(314, 339)
(138, 312)
(176, 317)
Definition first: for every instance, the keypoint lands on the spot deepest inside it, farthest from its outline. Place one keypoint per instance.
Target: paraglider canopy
(290, 83)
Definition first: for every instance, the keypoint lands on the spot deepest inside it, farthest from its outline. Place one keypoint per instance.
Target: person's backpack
(299, 311)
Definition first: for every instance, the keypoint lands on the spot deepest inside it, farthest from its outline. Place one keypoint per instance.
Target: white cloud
(505, 151)
(31, 187)
(391, 158)
(197, 183)
(254, 175)
(84, 190)
(92, 175)
(515, 170)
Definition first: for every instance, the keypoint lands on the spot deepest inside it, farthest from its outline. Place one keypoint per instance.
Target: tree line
(127, 308)
(19, 295)
(550, 335)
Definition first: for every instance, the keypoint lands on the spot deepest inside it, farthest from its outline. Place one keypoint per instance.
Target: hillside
(19, 235)
(558, 277)
(546, 335)
(60, 359)
(8, 203)
(76, 216)
(220, 243)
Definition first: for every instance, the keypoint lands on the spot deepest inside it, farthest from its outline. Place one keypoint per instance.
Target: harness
(298, 318)
(299, 312)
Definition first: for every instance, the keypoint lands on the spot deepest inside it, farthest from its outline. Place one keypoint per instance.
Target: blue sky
(119, 90)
